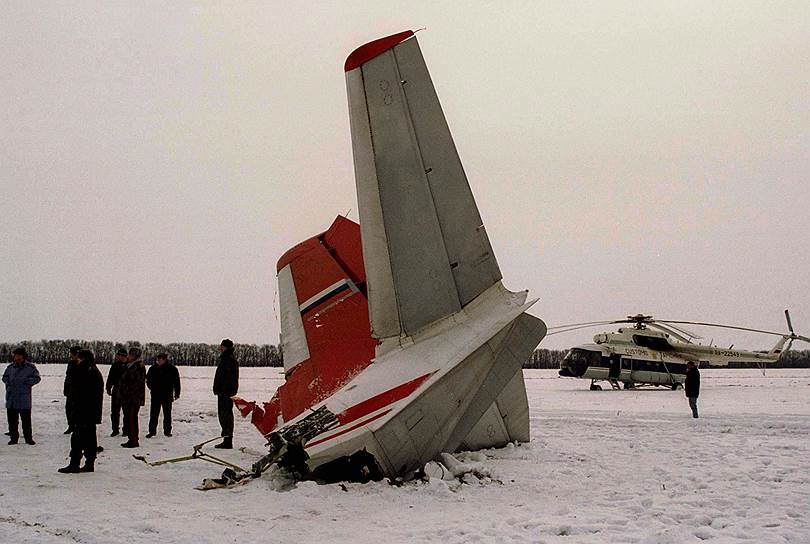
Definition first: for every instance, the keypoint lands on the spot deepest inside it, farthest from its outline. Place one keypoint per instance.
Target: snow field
(609, 466)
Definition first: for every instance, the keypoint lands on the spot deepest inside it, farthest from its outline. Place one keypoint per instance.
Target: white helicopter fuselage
(642, 356)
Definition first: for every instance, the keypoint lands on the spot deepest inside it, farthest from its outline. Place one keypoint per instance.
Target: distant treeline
(180, 353)
(545, 358)
(188, 354)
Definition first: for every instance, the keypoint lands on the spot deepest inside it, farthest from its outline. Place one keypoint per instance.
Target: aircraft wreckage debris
(395, 352)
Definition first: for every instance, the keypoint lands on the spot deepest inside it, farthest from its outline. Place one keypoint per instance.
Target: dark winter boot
(226, 444)
(150, 435)
(13, 441)
(114, 433)
(89, 466)
(72, 468)
(30, 442)
(130, 445)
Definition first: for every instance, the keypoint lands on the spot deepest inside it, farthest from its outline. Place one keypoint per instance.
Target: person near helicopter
(692, 386)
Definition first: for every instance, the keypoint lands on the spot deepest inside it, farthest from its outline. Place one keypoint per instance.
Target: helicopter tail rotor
(793, 336)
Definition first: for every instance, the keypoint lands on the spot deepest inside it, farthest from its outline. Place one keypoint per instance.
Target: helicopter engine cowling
(600, 338)
(653, 342)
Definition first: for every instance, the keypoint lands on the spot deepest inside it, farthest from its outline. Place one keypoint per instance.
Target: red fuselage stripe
(373, 404)
(380, 401)
(350, 429)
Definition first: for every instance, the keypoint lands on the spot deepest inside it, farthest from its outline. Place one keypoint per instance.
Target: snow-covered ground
(609, 466)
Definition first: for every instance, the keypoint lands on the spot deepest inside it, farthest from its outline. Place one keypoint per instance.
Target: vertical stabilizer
(425, 248)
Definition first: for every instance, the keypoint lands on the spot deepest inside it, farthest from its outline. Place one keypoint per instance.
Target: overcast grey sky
(156, 160)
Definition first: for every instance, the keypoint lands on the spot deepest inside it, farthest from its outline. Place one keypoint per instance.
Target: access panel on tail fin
(427, 253)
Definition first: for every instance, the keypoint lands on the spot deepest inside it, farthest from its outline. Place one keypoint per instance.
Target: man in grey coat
(113, 377)
(132, 391)
(19, 377)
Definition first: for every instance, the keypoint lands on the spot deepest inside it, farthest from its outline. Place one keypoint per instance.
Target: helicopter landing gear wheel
(595, 387)
(677, 386)
(629, 385)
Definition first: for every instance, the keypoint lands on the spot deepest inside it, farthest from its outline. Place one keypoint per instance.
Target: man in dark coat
(19, 377)
(74, 358)
(163, 381)
(116, 370)
(87, 392)
(692, 386)
(226, 384)
(132, 392)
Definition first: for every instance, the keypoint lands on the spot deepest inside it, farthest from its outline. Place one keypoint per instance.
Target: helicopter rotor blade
(721, 326)
(790, 325)
(573, 328)
(670, 331)
(685, 332)
(583, 325)
(670, 325)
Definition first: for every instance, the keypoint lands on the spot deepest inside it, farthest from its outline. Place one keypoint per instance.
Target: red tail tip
(368, 51)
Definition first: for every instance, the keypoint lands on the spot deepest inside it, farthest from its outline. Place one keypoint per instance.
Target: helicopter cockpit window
(582, 355)
(578, 360)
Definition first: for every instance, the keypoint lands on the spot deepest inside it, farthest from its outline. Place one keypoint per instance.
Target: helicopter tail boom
(779, 348)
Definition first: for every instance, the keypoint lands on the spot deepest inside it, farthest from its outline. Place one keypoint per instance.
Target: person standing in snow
(20, 376)
(114, 376)
(132, 391)
(87, 392)
(163, 381)
(226, 384)
(74, 358)
(692, 386)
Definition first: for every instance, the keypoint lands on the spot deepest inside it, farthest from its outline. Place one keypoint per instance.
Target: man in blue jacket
(19, 377)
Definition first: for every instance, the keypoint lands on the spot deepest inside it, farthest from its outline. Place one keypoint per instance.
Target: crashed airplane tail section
(412, 343)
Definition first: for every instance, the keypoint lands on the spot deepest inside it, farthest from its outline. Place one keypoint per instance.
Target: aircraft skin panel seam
(420, 156)
(478, 266)
(407, 328)
(382, 208)
(374, 303)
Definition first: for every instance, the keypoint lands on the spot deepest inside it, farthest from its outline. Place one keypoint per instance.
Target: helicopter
(654, 352)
